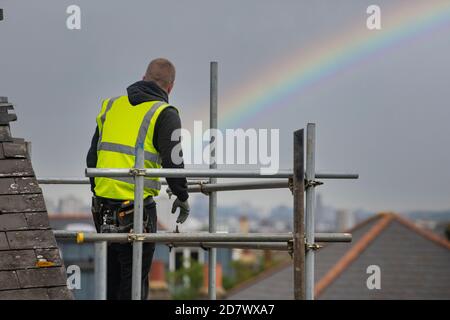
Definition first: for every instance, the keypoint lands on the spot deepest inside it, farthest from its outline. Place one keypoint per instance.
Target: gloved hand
(184, 209)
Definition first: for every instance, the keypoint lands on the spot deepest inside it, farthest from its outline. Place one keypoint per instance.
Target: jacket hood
(144, 91)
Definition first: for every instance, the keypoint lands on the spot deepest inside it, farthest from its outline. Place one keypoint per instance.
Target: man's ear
(169, 89)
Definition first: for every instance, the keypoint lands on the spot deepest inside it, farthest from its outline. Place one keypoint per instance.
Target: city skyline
(384, 116)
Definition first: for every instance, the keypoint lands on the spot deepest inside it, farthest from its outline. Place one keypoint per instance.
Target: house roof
(30, 263)
(414, 264)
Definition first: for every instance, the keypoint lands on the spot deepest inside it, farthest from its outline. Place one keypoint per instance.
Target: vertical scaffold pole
(310, 203)
(299, 220)
(212, 256)
(100, 269)
(136, 284)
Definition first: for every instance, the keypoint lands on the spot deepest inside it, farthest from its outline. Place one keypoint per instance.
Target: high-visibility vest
(122, 127)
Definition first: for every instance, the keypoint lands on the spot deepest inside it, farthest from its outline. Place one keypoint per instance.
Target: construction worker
(143, 116)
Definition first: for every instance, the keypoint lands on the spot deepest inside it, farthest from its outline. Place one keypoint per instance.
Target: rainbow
(306, 68)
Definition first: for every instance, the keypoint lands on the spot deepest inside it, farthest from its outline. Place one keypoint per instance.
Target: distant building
(344, 220)
(414, 263)
(326, 219)
(71, 204)
(76, 254)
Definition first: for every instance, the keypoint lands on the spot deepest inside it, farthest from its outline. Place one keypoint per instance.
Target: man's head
(161, 71)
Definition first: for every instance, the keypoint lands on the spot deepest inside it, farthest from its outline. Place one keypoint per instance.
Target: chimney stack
(219, 286)
(244, 226)
(157, 282)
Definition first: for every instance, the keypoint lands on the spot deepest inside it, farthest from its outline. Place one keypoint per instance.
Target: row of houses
(165, 260)
(411, 262)
(390, 257)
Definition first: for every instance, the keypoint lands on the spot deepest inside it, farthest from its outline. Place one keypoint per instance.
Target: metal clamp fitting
(312, 246)
(135, 237)
(312, 183)
(291, 185)
(137, 172)
(80, 237)
(200, 184)
(290, 249)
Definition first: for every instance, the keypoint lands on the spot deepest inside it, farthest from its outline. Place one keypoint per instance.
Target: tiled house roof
(30, 263)
(414, 263)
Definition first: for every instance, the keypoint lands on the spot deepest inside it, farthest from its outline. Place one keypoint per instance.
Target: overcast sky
(386, 117)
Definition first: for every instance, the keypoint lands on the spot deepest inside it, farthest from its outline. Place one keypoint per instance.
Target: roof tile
(19, 185)
(27, 294)
(31, 239)
(5, 133)
(16, 168)
(42, 277)
(14, 150)
(37, 220)
(27, 185)
(16, 259)
(21, 203)
(12, 221)
(7, 186)
(3, 241)
(8, 280)
(59, 293)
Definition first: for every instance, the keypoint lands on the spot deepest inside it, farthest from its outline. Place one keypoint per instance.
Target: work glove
(184, 209)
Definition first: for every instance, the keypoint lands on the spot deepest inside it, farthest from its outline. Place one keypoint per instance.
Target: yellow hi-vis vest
(122, 127)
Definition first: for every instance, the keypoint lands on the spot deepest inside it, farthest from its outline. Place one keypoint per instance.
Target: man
(143, 116)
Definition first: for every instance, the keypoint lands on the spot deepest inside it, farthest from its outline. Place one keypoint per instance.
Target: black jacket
(167, 122)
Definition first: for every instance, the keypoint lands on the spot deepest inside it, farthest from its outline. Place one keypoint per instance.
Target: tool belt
(115, 216)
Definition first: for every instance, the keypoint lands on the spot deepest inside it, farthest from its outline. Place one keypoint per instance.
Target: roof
(30, 263)
(414, 264)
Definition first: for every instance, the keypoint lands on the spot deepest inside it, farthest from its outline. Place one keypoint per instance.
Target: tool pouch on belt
(95, 209)
(116, 216)
(125, 217)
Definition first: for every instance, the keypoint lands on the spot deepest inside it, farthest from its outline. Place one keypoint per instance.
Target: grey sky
(386, 117)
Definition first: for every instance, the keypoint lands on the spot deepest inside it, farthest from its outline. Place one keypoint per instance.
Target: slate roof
(30, 263)
(414, 263)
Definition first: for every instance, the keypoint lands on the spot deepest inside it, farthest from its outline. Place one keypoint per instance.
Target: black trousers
(120, 257)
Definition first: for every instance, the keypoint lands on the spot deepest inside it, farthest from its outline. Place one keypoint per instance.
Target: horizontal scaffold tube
(86, 181)
(167, 237)
(207, 173)
(279, 246)
(233, 186)
(63, 181)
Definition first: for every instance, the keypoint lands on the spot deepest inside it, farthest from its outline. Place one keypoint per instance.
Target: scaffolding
(302, 242)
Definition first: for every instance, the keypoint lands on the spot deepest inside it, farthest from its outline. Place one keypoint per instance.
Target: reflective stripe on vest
(103, 117)
(148, 183)
(116, 147)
